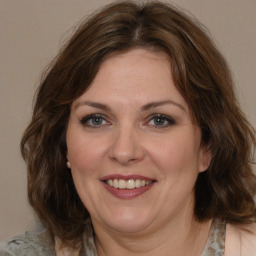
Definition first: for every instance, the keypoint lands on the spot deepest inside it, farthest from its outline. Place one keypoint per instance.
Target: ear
(68, 163)
(205, 157)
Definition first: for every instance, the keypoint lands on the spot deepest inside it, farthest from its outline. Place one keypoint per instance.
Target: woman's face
(134, 150)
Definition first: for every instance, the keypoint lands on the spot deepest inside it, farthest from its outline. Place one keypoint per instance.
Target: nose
(126, 148)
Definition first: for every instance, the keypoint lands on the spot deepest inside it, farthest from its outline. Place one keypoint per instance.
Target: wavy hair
(200, 74)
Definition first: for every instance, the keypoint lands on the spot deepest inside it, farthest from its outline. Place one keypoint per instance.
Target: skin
(127, 140)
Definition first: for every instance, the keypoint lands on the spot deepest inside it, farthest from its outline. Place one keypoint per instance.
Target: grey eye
(93, 120)
(160, 120)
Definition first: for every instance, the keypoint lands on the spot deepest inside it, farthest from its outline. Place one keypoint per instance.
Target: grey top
(215, 245)
(42, 244)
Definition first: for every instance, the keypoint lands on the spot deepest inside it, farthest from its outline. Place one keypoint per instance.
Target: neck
(178, 238)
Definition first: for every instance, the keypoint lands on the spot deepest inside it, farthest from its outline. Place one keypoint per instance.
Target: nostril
(126, 147)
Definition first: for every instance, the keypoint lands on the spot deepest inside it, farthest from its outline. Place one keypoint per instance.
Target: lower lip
(127, 193)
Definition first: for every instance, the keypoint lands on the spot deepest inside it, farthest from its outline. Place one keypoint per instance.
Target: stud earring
(68, 164)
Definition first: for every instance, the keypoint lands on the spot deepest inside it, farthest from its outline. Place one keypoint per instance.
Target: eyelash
(160, 117)
(170, 121)
(84, 121)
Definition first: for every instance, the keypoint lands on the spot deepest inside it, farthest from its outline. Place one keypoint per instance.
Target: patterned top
(29, 244)
(215, 245)
(42, 244)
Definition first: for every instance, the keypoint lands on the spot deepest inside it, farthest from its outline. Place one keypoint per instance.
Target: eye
(94, 121)
(161, 121)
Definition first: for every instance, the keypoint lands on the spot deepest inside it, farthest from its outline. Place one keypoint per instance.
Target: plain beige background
(32, 32)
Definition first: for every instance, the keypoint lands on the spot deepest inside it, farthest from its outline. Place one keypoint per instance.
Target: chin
(127, 221)
(127, 226)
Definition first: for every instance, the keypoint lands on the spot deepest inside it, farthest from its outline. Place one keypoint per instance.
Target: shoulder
(240, 240)
(29, 244)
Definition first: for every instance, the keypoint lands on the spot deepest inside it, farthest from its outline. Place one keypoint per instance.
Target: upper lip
(125, 177)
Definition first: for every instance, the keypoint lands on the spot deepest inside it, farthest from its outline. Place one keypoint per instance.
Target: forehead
(136, 76)
(136, 63)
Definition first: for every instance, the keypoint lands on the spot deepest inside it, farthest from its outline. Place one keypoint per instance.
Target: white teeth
(122, 184)
(115, 183)
(137, 183)
(129, 184)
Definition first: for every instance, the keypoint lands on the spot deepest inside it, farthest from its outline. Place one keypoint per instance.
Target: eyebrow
(161, 103)
(143, 108)
(94, 105)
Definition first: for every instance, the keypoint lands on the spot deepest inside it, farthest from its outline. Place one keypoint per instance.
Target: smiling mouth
(128, 184)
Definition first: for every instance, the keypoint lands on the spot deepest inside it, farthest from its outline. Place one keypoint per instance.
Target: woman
(137, 145)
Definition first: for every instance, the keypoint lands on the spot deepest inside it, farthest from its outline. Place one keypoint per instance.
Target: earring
(68, 164)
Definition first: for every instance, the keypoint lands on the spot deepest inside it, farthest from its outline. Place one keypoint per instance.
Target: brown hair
(200, 74)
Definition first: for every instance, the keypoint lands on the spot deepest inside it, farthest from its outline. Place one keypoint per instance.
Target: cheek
(175, 155)
(85, 153)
